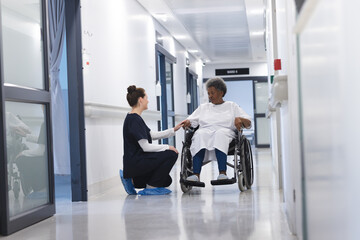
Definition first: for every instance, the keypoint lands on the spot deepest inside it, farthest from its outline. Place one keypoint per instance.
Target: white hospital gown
(216, 127)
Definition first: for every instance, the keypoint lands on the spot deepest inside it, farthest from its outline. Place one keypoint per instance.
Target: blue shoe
(155, 191)
(128, 185)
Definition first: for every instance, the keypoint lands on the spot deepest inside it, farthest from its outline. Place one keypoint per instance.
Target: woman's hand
(238, 123)
(172, 148)
(186, 123)
(177, 127)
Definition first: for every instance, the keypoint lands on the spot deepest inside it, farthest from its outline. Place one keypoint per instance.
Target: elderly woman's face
(215, 95)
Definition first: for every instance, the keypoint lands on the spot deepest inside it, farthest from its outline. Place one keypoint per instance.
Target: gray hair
(217, 83)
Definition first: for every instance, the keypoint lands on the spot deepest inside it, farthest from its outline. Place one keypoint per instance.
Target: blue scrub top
(134, 129)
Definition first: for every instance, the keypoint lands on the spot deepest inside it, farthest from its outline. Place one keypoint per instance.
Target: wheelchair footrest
(223, 182)
(193, 183)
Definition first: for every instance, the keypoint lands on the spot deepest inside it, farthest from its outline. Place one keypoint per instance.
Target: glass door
(165, 102)
(262, 125)
(26, 172)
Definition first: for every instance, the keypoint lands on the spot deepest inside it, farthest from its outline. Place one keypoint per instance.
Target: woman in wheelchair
(217, 122)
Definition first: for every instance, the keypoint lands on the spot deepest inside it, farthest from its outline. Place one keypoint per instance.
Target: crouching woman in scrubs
(217, 122)
(146, 165)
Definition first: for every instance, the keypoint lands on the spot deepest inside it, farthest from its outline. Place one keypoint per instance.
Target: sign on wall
(232, 71)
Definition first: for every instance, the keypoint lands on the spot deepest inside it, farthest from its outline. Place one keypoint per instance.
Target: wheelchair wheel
(241, 182)
(249, 167)
(186, 164)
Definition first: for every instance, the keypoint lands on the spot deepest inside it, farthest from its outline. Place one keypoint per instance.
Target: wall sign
(232, 71)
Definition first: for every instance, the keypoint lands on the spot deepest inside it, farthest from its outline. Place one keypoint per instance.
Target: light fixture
(188, 97)
(187, 62)
(158, 89)
(180, 37)
(193, 50)
(162, 16)
(256, 12)
(257, 33)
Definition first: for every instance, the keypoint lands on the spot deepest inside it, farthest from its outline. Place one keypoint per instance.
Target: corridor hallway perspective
(213, 212)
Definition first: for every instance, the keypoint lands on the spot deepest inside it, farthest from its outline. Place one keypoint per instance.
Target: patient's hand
(186, 123)
(238, 123)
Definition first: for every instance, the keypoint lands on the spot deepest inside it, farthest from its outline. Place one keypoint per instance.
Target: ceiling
(214, 31)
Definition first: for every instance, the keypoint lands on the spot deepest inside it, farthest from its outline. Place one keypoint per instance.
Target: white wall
(329, 53)
(294, 152)
(286, 120)
(119, 43)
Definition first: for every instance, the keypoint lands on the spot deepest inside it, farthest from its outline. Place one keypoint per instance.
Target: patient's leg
(221, 159)
(197, 161)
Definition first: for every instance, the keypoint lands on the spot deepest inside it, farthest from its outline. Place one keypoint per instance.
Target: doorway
(241, 92)
(238, 88)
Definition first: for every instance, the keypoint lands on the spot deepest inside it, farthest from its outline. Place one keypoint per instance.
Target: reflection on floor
(221, 212)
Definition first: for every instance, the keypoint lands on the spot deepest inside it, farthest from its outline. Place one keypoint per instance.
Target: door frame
(76, 101)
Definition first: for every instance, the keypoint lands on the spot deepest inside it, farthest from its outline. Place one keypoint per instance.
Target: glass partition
(27, 157)
(23, 56)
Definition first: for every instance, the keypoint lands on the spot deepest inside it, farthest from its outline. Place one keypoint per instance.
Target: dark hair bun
(131, 89)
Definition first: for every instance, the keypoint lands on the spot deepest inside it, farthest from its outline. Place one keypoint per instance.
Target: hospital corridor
(179, 119)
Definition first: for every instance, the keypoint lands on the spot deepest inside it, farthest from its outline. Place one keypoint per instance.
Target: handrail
(97, 110)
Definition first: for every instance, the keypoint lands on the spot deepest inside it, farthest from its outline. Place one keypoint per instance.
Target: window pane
(27, 158)
(171, 123)
(169, 87)
(263, 130)
(261, 96)
(22, 43)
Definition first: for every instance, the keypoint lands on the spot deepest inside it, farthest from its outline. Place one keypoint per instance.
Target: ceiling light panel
(215, 25)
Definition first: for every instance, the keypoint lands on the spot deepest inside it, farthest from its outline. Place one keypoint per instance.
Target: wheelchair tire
(241, 182)
(185, 164)
(249, 167)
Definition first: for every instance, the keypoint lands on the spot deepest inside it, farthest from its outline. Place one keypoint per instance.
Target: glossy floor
(220, 212)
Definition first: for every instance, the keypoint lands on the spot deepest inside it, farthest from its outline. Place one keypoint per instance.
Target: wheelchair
(240, 149)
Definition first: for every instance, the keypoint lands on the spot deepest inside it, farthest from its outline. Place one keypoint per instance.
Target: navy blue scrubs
(150, 168)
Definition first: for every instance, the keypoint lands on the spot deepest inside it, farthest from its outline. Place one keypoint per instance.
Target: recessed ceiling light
(255, 12)
(193, 50)
(257, 33)
(162, 16)
(180, 37)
